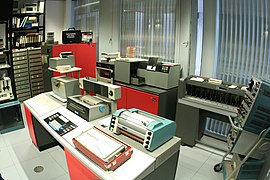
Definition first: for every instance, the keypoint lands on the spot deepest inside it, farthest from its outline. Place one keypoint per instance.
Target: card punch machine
(93, 107)
(65, 60)
(149, 129)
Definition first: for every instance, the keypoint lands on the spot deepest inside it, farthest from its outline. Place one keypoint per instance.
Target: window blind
(148, 27)
(243, 42)
(86, 16)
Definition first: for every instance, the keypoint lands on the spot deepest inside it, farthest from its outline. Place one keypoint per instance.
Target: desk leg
(187, 124)
(77, 171)
(167, 170)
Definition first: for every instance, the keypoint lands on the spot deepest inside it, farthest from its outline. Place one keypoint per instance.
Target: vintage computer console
(64, 86)
(5, 89)
(150, 130)
(93, 107)
(66, 60)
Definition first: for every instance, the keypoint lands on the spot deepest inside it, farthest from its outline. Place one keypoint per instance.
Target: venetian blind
(243, 42)
(148, 27)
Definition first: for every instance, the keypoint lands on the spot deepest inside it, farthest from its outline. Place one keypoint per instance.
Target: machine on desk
(103, 149)
(66, 59)
(150, 130)
(93, 107)
(64, 86)
(149, 72)
(200, 98)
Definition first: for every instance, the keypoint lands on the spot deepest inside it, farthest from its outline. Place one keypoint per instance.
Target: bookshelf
(28, 26)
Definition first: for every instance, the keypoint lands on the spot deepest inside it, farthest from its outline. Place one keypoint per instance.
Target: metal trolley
(249, 138)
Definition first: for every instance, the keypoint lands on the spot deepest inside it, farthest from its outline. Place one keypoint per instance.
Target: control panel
(5, 89)
(60, 123)
(253, 112)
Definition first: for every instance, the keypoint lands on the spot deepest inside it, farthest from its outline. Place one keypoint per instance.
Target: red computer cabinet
(30, 125)
(77, 170)
(142, 100)
(132, 98)
(85, 56)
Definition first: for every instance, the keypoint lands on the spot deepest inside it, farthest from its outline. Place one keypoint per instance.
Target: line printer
(150, 130)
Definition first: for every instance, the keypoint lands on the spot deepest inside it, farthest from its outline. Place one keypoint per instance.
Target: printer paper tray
(114, 163)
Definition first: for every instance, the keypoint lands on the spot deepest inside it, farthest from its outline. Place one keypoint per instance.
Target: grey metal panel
(38, 88)
(22, 79)
(36, 80)
(19, 83)
(37, 83)
(20, 66)
(24, 94)
(37, 92)
(20, 70)
(21, 91)
(24, 86)
(34, 56)
(21, 53)
(34, 51)
(122, 71)
(36, 72)
(34, 68)
(187, 123)
(17, 75)
(19, 58)
(35, 64)
(20, 62)
(32, 60)
(36, 76)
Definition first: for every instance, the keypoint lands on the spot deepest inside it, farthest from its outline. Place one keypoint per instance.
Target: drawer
(36, 72)
(24, 86)
(18, 75)
(19, 58)
(20, 66)
(35, 64)
(20, 83)
(20, 71)
(37, 92)
(33, 56)
(35, 60)
(36, 80)
(35, 68)
(34, 84)
(21, 91)
(20, 62)
(22, 79)
(34, 51)
(36, 76)
(38, 88)
(20, 53)
(21, 99)
(24, 94)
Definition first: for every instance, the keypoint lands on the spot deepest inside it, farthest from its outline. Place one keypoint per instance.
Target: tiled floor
(19, 157)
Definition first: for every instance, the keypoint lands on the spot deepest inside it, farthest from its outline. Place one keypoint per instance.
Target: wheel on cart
(218, 167)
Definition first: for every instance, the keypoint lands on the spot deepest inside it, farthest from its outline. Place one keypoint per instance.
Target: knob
(110, 93)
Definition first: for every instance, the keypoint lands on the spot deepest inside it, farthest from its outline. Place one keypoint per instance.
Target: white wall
(208, 54)
(109, 26)
(55, 18)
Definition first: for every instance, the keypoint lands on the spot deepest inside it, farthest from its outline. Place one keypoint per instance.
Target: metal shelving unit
(10, 109)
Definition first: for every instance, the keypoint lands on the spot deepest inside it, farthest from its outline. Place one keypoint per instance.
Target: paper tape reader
(150, 130)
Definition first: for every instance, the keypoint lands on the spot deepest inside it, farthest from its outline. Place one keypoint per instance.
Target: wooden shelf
(26, 14)
(39, 28)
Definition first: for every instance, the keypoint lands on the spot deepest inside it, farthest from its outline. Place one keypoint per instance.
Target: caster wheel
(218, 167)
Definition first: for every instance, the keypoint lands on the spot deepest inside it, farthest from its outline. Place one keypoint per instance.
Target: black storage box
(71, 36)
